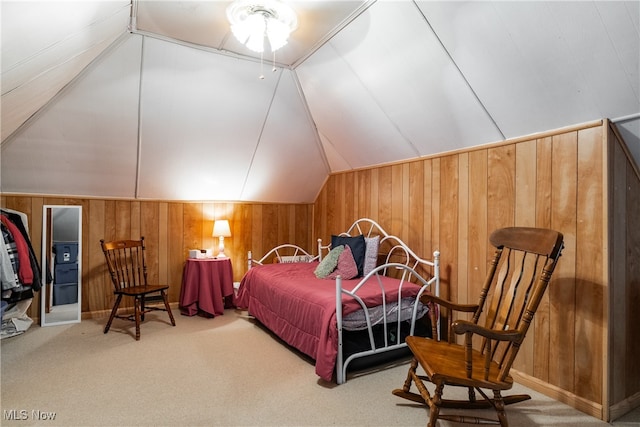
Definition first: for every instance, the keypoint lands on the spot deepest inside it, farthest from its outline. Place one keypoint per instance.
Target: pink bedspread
(301, 309)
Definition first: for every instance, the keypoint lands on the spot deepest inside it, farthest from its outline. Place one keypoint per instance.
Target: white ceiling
(168, 105)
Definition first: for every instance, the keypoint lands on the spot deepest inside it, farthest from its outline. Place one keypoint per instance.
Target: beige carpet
(225, 371)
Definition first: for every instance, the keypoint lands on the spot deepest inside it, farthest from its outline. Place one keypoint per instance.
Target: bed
(335, 319)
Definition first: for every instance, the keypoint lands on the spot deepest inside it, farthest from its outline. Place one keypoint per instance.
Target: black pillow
(358, 248)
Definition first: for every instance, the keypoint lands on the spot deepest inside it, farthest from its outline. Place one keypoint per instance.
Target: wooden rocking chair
(516, 281)
(128, 270)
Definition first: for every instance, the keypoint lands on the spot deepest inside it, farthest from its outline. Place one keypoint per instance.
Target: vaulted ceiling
(157, 99)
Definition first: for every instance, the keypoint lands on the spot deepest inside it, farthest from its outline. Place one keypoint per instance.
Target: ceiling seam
(455, 64)
(208, 49)
(330, 142)
(64, 39)
(264, 124)
(58, 65)
(139, 135)
(379, 104)
(307, 111)
(111, 47)
(614, 48)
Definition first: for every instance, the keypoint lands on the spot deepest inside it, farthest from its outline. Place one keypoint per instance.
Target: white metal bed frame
(369, 228)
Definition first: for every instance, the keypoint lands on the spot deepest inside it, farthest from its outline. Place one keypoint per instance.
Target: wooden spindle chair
(518, 276)
(128, 271)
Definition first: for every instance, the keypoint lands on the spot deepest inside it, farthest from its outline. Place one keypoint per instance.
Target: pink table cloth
(206, 284)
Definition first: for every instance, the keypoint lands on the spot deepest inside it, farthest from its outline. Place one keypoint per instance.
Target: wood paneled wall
(452, 203)
(170, 230)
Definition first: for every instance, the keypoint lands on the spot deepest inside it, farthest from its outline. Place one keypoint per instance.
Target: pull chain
(261, 66)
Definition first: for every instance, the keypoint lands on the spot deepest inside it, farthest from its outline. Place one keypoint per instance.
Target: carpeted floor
(226, 371)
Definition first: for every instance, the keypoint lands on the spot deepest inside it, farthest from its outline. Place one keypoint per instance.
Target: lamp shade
(221, 228)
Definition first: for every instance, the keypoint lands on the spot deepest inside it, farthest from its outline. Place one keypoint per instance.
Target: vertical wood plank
(210, 213)
(562, 286)
(98, 296)
(110, 226)
(150, 229)
(163, 243)
(632, 266)
(269, 227)
(405, 202)
(541, 321)
(478, 235)
(375, 195)
(350, 197)
(416, 213)
(241, 231)
(35, 237)
(257, 247)
(318, 211)
(123, 218)
(620, 303)
(525, 216)
(427, 209)
(136, 226)
(501, 188)
(282, 224)
(395, 218)
(385, 195)
(500, 192)
(331, 209)
(175, 250)
(463, 228)
(589, 290)
(192, 227)
(364, 194)
(445, 283)
(448, 222)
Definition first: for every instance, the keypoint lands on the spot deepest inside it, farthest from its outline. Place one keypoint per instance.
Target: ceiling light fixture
(253, 21)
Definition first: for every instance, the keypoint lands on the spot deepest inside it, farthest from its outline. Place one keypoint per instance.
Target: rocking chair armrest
(461, 327)
(432, 299)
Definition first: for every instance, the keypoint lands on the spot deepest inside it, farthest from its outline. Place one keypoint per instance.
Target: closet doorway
(61, 265)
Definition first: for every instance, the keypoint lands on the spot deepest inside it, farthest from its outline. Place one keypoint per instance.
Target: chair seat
(140, 290)
(444, 363)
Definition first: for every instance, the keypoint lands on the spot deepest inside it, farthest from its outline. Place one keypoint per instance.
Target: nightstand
(207, 284)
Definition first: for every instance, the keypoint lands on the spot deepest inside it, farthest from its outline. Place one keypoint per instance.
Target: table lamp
(221, 230)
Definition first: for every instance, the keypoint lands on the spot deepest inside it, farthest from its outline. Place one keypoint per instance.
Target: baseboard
(588, 407)
(97, 314)
(627, 405)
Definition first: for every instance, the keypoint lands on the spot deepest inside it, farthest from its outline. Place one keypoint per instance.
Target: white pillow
(372, 244)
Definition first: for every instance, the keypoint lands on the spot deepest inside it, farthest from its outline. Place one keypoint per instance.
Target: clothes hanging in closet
(28, 268)
(20, 273)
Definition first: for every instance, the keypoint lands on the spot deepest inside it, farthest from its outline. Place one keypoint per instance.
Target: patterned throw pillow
(371, 254)
(356, 244)
(329, 263)
(346, 267)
